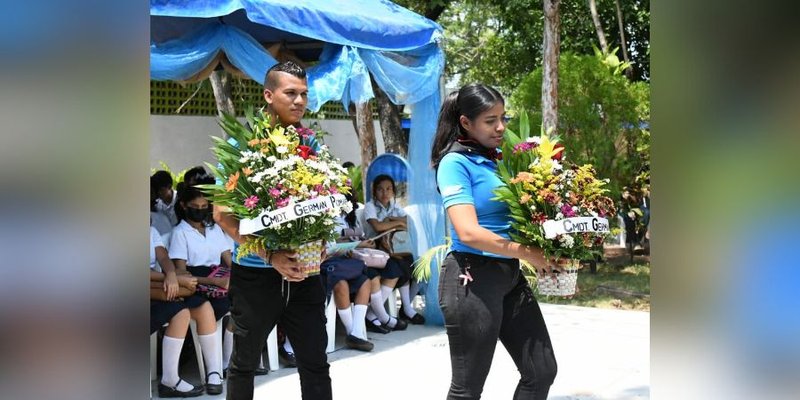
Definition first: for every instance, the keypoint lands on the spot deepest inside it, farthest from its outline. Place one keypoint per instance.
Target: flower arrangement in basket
(555, 205)
(285, 191)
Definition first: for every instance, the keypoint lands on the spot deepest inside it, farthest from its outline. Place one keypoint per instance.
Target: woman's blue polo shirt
(472, 179)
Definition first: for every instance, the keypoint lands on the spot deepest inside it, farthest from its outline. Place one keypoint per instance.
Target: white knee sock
(376, 301)
(359, 312)
(347, 319)
(170, 354)
(406, 298)
(227, 348)
(387, 293)
(287, 345)
(210, 346)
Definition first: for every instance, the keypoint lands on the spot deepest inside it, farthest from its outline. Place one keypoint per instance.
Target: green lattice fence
(168, 98)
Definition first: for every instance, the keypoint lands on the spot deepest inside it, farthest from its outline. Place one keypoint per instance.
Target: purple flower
(305, 133)
(251, 202)
(275, 193)
(524, 146)
(567, 210)
(283, 202)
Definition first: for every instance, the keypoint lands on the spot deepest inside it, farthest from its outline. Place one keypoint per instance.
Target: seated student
(161, 183)
(158, 220)
(172, 301)
(383, 214)
(199, 247)
(346, 277)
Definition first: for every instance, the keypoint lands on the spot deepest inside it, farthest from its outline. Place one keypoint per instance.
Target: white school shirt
(189, 244)
(375, 210)
(155, 241)
(168, 209)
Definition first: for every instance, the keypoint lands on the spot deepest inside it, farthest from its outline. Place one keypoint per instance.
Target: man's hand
(285, 262)
(171, 286)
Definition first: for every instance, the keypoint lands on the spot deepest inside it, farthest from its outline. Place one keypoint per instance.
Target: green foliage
(176, 178)
(599, 115)
(498, 42)
(357, 183)
(430, 260)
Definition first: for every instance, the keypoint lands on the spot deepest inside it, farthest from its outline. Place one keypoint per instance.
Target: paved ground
(602, 354)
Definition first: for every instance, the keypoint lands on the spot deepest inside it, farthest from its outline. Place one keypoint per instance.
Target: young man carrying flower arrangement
(277, 190)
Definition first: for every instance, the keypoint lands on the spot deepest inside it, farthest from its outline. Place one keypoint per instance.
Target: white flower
(567, 241)
(557, 166)
(534, 139)
(288, 225)
(282, 149)
(559, 216)
(272, 159)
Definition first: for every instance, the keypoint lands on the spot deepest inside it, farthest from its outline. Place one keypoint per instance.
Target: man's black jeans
(497, 303)
(260, 298)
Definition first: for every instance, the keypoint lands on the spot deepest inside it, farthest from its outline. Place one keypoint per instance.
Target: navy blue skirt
(395, 268)
(337, 269)
(162, 312)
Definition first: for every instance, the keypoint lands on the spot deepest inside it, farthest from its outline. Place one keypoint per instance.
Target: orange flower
(524, 198)
(247, 171)
(232, 180)
(253, 142)
(523, 177)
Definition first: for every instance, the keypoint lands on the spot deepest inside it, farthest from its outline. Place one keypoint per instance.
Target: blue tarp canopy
(350, 40)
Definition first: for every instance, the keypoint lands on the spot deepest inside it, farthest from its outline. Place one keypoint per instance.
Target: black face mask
(197, 214)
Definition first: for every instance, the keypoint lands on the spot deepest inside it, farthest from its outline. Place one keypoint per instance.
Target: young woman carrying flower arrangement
(483, 293)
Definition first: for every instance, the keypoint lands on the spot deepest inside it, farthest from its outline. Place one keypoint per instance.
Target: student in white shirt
(161, 184)
(171, 301)
(197, 247)
(383, 214)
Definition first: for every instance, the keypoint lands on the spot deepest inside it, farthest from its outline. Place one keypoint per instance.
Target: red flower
(560, 154)
(305, 152)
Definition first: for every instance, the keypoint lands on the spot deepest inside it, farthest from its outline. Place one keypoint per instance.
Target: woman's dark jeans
(497, 303)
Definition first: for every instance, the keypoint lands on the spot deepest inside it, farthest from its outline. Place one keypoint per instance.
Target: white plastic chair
(272, 349)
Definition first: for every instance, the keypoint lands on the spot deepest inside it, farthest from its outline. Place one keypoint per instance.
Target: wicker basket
(310, 257)
(561, 283)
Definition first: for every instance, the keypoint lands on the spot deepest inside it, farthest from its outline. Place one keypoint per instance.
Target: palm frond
(433, 258)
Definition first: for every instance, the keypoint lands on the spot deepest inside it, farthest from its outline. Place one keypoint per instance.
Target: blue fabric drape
(182, 58)
(426, 201)
(367, 24)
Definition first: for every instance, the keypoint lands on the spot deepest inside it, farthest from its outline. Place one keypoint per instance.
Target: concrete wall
(183, 142)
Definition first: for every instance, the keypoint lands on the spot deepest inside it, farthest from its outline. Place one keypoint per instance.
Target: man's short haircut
(289, 67)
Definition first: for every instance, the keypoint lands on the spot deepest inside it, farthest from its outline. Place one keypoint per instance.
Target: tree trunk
(629, 70)
(221, 85)
(552, 42)
(366, 139)
(395, 140)
(597, 27)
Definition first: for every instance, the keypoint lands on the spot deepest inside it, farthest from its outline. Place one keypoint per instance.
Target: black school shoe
(418, 319)
(357, 343)
(377, 328)
(213, 388)
(165, 391)
(400, 325)
(286, 357)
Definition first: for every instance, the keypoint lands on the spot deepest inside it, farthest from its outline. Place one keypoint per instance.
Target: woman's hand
(368, 244)
(188, 282)
(535, 257)
(171, 285)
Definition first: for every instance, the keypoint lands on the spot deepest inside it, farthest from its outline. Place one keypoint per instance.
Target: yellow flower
(547, 148)
(278, 138)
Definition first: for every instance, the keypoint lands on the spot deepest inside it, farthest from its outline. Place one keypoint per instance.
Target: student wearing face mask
(197, 247)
